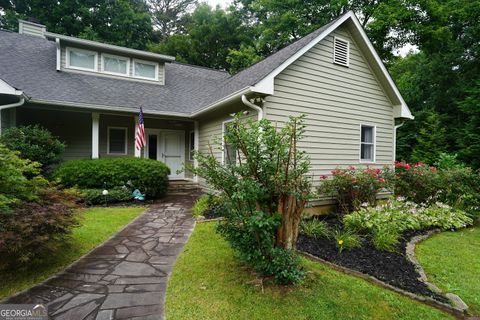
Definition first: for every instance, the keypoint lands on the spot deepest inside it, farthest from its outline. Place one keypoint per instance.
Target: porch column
(195, 146)
(138, 153)
(95, 134)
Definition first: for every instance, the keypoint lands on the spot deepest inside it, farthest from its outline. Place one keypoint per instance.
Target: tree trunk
(291, 212)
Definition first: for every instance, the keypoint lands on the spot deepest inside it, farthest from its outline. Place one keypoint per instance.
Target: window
(367, 143)
(229, 151)
(117, 141)
(115, 65)
(81, 59)
(341, 51)
(192, 145)
(145, 70)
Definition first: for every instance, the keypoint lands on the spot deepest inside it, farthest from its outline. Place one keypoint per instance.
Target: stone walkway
(126, 277)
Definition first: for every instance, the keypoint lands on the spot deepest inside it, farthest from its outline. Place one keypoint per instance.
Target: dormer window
(81, 59)
(115, 64)
(145, 70)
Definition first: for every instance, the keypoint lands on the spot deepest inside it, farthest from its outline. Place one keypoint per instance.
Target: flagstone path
(126, 277)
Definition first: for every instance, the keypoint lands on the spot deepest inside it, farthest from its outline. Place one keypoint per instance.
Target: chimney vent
(31, 28)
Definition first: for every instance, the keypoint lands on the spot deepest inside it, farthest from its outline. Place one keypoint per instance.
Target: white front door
(167, 146)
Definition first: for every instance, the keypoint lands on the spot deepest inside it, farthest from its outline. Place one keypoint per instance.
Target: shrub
(315, 228)
(346, 239)
(264, 188)
(36, 228)
(385, 223)
(418, 182)
(448, 161)
(351, 187)
(149, 176)
(19, 180)
(34, 143)
(96, 196)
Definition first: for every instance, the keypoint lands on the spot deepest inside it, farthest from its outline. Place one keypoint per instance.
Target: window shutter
(341, 52)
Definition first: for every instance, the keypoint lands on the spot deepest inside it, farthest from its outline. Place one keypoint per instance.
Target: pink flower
(381, 180)
(377, 171)
(406, 166)
(323, 177)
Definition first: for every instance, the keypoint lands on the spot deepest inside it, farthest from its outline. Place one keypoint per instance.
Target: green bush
(385, 223)
(149, 176)
(34, 143)
(201, 205)
(96, 196)
(352, 187)
(346, 239)
(315, 228)
(19, 180)
(418, 182)
(36, 228)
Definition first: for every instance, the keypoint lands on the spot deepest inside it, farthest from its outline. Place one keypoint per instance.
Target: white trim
(374, 144)
(59, 55)
(126, 141)
(266, 85)
(95, 134)
(223, 139)
(107, 55)
(335, 38)
(152, 63)
(104, 46)
(223, 101)
(67, 58)
(197, 146)
(7, 89)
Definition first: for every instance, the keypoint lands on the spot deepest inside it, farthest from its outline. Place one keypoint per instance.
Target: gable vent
(341, 51)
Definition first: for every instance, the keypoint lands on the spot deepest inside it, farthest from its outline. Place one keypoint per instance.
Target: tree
(469, 135)
(431, 140)
(120, 22)
(168, 15)
(265, 185)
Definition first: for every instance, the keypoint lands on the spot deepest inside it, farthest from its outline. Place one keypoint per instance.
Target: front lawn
(96, 225)
(209, 283)
(452, 261)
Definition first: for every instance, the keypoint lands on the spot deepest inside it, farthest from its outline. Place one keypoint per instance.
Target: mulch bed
(390, 267)
(213, 213)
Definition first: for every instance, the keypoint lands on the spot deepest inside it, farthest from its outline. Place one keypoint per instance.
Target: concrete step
(182, 187)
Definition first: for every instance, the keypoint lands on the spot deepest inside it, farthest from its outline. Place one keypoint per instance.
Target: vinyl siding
(63, 63)
(72, 127)
(336, 101)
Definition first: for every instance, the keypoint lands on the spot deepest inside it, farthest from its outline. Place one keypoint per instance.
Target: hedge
(149, 176)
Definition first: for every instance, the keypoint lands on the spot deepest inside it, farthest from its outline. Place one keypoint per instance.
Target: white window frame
(190, 150)
(126, 141)
(107, 55)
(145, 62)
(374, 144)
(224, 123)
(348, 51)
(68, 65)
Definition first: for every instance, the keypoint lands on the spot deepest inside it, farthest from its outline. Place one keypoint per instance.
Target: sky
(222, 3)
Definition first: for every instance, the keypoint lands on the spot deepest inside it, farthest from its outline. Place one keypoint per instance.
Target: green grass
(96, 225)
(208, 283)
(452, 261)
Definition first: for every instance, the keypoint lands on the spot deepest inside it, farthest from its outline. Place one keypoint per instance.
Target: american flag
(140, 138)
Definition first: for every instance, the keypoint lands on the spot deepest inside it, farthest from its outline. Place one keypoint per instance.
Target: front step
(183, 187)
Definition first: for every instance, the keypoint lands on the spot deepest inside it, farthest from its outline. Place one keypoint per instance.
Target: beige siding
(336, 101)
(72, 127)
(63, 63)
(107, 121)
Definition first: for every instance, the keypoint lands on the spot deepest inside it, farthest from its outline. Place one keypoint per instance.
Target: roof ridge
(200, 67)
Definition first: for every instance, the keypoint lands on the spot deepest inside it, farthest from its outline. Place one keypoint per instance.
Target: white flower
(105, 192)
(365, 204)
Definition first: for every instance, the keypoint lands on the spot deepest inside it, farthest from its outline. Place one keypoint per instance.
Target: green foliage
(353, 187)
(201, 205)
(431, 140)
(264, 189)
(346, 239)
(36, 228)
(34, 143)
(385, 223)
(315, 228)
(96, 196)
(149, 176)
(19, 180)
(242, 58)
(448, 161)
(418, 182)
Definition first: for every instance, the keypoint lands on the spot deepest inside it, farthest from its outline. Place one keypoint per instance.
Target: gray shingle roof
(28, 63)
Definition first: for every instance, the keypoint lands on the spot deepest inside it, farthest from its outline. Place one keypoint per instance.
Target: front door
(167, 146)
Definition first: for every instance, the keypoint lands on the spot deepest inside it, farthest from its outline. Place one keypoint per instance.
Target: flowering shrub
(351, 187)
(418, 182)
(386, 222)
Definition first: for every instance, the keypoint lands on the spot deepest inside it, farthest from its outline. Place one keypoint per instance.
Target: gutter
(11, 105)
(253, 106)
(224, 101)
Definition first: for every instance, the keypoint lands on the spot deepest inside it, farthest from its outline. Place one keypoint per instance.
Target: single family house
(89, 93)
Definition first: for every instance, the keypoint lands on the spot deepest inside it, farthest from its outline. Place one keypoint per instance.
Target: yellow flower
(340, 242)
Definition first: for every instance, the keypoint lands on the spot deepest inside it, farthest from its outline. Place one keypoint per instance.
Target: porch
(103, 134)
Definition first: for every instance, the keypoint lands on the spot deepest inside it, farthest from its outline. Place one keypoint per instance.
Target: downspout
(11, 105)
(395, 140)
(253, 106)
